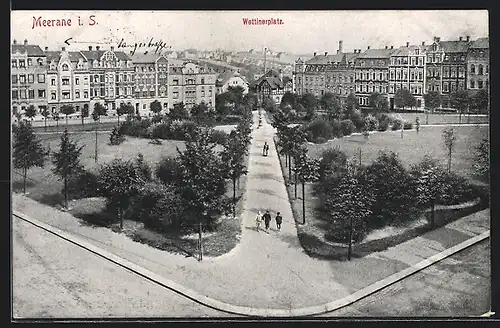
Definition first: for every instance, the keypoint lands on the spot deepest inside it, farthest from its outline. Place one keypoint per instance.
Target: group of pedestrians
(267, 220)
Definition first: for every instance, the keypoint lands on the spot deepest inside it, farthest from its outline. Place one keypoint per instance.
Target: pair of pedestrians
(267, 220)
(265, 149)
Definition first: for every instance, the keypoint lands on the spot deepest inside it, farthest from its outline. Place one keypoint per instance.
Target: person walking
(258, 220)
(267, 219)
(267, 149)
(264, 149)
(279, 220)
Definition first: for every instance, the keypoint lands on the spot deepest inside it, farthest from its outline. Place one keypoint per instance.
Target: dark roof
(286, 79)
(141, 58)
(97, 54)
(376, 53)
(32, 50)
(405, 51)
(74, 56)
(481, 43)
(454, 46)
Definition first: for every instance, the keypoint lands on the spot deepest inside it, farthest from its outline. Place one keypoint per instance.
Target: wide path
(49, 281)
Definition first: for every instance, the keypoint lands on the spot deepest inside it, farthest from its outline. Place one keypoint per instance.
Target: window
(65, 67)
(22, 78)
(14, 63)
(446, 57)
(486, 69)
(41, 78)
(53, 82)
(31, 78)
(30, 62)
(86, 81)
(65, 81)
(453, 86)
(53, 95)
(472, 84)
(14, 94)
(480, 84)
(85, 94)
(41, 93)
(77, 81)
(445, 87)
(77, 94)
(14, 79)
(65, 95)
(453, 72)
(176, 95)
(460, 85)
(202, 80)
(40, 61)
(102, 92)
(446, 72)
(473, 69)
(176, 81)
(101, 78)
(22, 63)
(480, 69)
(31, 94)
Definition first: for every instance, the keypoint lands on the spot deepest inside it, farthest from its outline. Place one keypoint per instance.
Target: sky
(301, 32)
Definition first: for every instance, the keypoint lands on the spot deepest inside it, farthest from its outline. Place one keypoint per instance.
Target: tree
(155, 107)
(307, 170)
(45, 113)
(250, 100)
(309, 101)
(332, 105)
(67, 110)
(203, 184)
(378, 102)
(290, 99)
(27, 150)
(232, 156)
(116, 137)
(349, 202)
(30, 112)
(403, 98)
(449, 139)
(96, 116)
(268, 104)
(85, 113)
(56, 117)
(432, 101)
(200, 112)
(67, 161)
(235, 94)
(119, 181)
(482, 159)
(124, 109)
(179, 112)
(351, 104)
(480, 101)
(460, 100)
(221, 101)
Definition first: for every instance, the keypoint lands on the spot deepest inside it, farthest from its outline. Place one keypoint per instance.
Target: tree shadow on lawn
(18, 186)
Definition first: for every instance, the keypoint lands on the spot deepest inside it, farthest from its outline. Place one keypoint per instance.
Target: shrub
(358, 120)
(135, 128)
(333, 162)
(318, 129)
(457, 190)
(347, 127)
(83, 185)
(160, 131)
(336, 128)
(218, 137)
(143, 167)
(339, 232)
(397, 125)
(116, 138)
(383, 125)
(407, 125)
(156, 119)
(371, 123)
(168, 170)
(229, 119)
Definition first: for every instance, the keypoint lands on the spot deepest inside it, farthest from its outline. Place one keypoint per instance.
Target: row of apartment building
(51, 79)
(443, 66)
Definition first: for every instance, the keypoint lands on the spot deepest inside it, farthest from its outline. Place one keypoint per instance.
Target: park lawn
(411, 150)
(442, 118)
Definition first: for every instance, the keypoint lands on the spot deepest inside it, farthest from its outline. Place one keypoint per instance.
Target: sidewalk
(266, 270)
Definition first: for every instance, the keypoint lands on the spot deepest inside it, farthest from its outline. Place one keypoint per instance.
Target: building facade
(478, 65)
(151, 82)
(191, 84)
(407, 71)
(273, 85)
(28, 77)
(111, 78)
(434, 67)
(231, 80)
(372, 73)
(68, 78)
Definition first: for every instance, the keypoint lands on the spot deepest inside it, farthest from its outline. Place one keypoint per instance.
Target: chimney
(368, 47)
(97, 48)
(314, 55)
(437, 39)
(423, 43)
(340, 47)
(468, 38)
(386, 47)
(392, 47)
(407, 44)
(14, 42)
(46, 48)
(25, 42)
(90, 48)
(326, 53)
(460, 38)
(63, 49)
(112, 48)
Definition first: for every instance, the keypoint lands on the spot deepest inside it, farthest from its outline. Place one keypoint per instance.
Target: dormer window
(65, 67)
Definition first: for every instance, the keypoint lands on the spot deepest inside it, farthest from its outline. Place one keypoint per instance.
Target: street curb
(247, 311)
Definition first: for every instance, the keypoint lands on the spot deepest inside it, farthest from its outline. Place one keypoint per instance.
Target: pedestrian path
(267, 270)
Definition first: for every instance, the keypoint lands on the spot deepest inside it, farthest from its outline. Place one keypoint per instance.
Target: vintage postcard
(250, 164)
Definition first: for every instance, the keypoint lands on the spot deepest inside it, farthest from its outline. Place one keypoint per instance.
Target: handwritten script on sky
(158, 45)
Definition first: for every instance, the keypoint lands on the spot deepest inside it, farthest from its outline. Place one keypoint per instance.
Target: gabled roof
(224, 77)
(74, 56)
(376, 53)
(481, 43)
(454, 46)
(405, 51)
(31, 49)
(97, 54)
(142, 58)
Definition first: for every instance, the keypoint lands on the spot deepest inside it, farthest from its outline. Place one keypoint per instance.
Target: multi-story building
(434, 67)
(68, 79)
(111, 77)
(273, 85)
(407, 71)
(224, 81)
(478, 65)
(191, 84)
(151, 81)
(454, 67)
(29, 77)
(372, 73)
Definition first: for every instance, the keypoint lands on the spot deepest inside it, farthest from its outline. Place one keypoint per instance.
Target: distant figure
(417, 124)
(258, 220)
(265, 149)
(279, 220)
(267, 219)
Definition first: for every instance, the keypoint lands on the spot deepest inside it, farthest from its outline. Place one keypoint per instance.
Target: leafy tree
(280, 119)
(333, 162)
(99, 110)
(307, 170)
(449, 139)
(96, 116)
(221, 107)
(350, 203)
(30, 112)
(432, 100)
(168, 171)
(232, 156)
(116, 137)
(482, 159)
(67, 110)
(332, 105)
(481, 101)
(85, 113)
(309, 101)
(203, 185)
(351, 104)
(235, 94)
(45, 113)
(27, 150)
(403, 98)
(55, 117)
(155, 107)
(124, 109)
(143, 168)
(268, 104)
(200, 112)
(179, 112)
(290, 99)
(119, 181)
(460, 100)
(67, 161)
(250, 100)
(378, 102)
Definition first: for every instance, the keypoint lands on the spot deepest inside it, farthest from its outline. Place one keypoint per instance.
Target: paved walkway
(266, 270)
